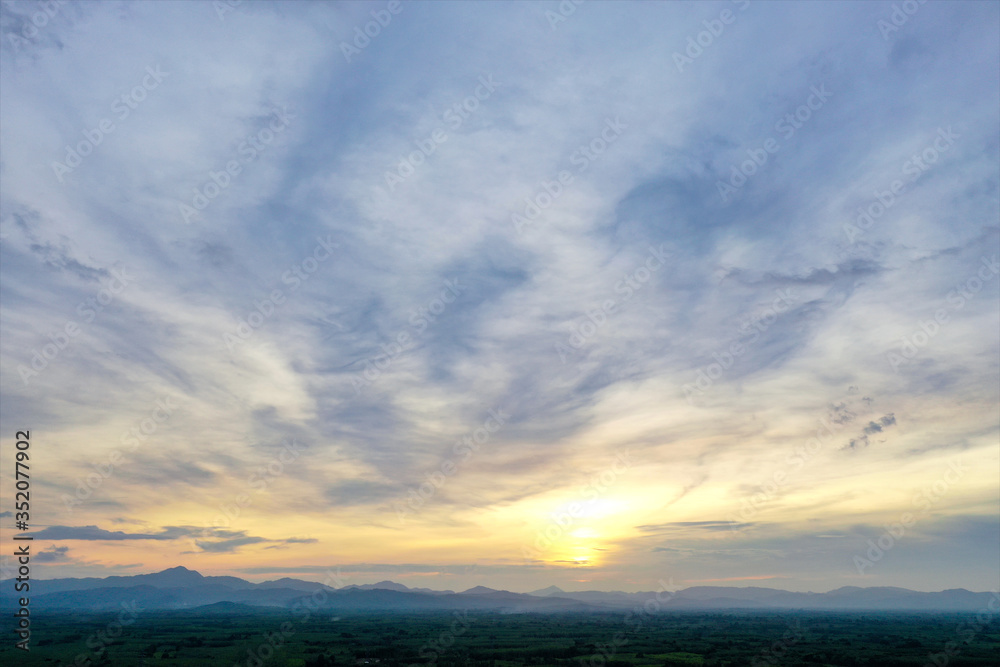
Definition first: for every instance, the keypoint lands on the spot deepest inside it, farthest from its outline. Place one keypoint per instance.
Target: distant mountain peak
(179, 575)
(479, 590)
(182, 588)
(382, 585)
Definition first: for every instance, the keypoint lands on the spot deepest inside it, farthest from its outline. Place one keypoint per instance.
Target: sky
(599, 295)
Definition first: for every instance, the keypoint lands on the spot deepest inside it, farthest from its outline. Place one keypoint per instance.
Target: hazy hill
(181, 588)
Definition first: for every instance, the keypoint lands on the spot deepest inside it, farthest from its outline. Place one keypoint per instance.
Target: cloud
(388, 568)
(242, 319)
(53, 555)
(360, 492)
(93, 533)
(213, 540)
(228, 546)
(685, 525)
(876, 427)
(870, 429)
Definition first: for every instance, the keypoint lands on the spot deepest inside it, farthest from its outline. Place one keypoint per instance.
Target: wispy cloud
(85, 363)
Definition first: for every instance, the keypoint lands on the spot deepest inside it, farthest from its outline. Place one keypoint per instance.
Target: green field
(280, 638)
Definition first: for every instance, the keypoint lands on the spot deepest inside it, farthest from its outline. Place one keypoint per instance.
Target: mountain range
(181, 588)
